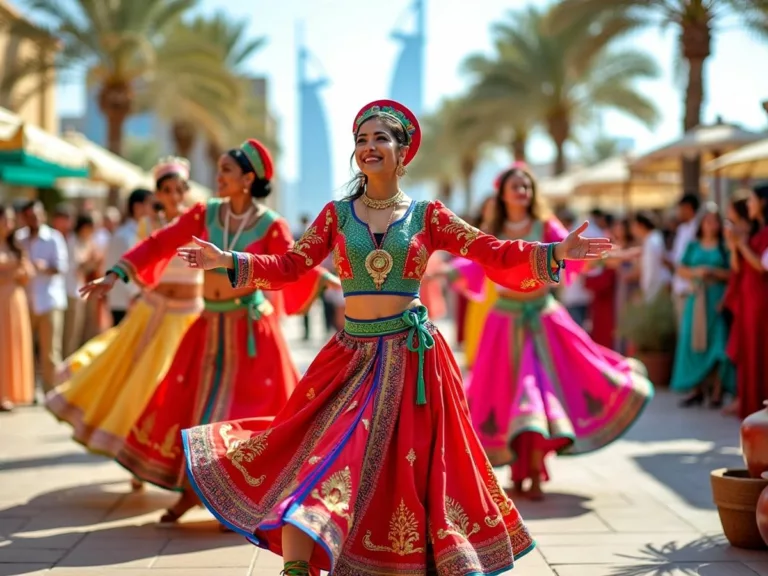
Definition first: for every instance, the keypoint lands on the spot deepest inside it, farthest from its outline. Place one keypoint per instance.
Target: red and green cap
(259, 158)
(399, 113)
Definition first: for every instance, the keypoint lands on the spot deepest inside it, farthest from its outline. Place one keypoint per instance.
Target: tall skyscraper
(408, 80)
(315, 183)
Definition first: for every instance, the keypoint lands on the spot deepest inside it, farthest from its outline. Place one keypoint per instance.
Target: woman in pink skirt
(539, 383)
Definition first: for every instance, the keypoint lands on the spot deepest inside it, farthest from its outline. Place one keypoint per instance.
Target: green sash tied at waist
(416, 319)
(257, 305)
(528, 312)
(419, 339)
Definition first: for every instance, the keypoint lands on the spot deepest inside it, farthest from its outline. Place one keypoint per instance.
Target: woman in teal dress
(700, 356)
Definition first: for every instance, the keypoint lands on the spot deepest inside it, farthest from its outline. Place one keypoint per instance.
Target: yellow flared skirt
(106, 384)
(474, 320)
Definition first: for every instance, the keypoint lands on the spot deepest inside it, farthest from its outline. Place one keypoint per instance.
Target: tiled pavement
(642, 507)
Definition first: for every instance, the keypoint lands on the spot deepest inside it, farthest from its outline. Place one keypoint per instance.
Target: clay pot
(762, 512)
(754, 442)
(658, 365)
(736, 496)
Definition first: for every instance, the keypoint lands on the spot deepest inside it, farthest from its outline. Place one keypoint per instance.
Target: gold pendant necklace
(375, 204)
(379, 262)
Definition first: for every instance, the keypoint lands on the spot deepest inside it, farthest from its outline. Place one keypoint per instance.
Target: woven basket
(736, 495)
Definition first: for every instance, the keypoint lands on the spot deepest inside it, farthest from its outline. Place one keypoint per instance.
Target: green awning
(21, 169)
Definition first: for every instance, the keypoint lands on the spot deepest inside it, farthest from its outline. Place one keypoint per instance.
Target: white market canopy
(609, 184)
(707, 141)
(750, 161)
(107, 167)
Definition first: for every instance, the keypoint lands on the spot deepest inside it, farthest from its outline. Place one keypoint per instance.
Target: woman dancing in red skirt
(233, 361)
(373, 467)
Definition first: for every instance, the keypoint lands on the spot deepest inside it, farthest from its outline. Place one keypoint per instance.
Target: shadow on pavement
(687, 474)
(75, 527)
(84, 505)
(58, 460)
(554, 505)
(702, 557)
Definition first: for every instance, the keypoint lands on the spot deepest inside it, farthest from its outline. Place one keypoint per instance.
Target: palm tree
(497, 104)
(218, 101)
(695, 21)
(142, 152)
(116, 41)
(600, 148)
(434, 163)
(467, 130)
(561, 79)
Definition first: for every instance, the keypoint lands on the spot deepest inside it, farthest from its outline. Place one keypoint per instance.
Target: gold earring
(400, 170)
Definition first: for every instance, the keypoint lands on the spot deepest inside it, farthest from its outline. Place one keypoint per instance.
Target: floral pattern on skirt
(382, 484)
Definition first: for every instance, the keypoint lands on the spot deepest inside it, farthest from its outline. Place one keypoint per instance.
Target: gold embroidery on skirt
(498, 496)
(411, 456)
(143, 430)
(336, 493)
(403, 534)
(457, 520)
(239, 452)
(169, 449)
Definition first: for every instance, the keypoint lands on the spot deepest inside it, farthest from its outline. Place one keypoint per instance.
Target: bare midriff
(217, 287)
(178, 291)
(374, 307)
(522, 296)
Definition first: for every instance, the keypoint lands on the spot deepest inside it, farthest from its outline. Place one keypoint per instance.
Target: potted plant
(650, 328)
(736, 495)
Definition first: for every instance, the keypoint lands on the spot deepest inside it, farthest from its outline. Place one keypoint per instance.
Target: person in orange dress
(17, 371)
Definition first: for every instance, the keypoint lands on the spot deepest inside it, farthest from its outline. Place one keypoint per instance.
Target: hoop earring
(401, 171)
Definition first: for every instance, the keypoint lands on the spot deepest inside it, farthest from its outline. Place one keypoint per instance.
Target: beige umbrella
(116, 171)
(558, 189)
(108, 167)
(750, 161)
(708, 141)
(612, 182)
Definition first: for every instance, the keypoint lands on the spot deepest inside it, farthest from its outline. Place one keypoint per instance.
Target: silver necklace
(517, 226)
(244, 220)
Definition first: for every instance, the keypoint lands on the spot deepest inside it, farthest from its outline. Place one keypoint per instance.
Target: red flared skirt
(381, 483)
(229, 365)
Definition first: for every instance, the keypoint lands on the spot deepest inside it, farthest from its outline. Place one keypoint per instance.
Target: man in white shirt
(46, 248)
(654, 275)
(687, 209)
(123, 239)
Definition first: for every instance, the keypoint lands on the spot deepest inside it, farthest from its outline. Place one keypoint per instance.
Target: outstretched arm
(527, 266)
(298, 296)
(145, 262)
(269, 271)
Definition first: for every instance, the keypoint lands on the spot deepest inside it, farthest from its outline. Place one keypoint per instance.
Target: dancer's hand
(577, 247)
(205, 256)
(100, 287)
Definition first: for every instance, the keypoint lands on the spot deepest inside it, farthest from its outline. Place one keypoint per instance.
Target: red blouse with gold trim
(398, 264)
(270, 234)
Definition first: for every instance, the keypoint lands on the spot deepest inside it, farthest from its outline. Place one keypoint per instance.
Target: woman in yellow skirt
(106, 384)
